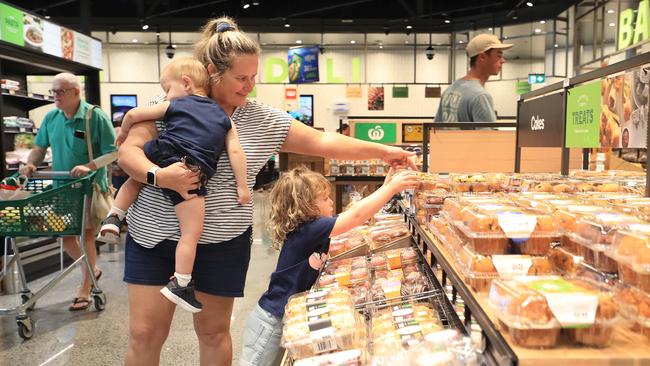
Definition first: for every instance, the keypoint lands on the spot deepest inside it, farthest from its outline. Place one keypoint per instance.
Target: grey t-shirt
(466, 101)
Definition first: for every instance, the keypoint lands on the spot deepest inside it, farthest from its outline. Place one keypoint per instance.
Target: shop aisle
(100, 338)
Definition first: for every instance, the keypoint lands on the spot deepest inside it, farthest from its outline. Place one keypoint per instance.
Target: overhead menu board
(29, 31)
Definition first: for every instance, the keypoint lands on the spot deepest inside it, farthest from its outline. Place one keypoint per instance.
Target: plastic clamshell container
(534, 309)
(524, 314)
(352, 357)
(381, 236)
(447, 236)
(321, 321)
(594, 254)
(453, 207)
(564, 262)
(631, 249)
(493, 229)
(635, 307)
(479, 271)
(636, 207)
(549, 186)
(477, 182)
(398, 328)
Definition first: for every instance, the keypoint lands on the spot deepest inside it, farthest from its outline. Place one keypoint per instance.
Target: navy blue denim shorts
(219, 269)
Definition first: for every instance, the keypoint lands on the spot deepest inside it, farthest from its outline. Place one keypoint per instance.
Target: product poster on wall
(376, 132)
(52, 39)
(610, 111)
(33, 32)
(12, 25)
(291, 99)
(583, 115)
(303, 64)
(634, 117)
(353, 91)
(376, 98)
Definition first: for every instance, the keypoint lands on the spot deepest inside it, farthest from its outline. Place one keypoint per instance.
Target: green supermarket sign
(583, 116)
(376, 132)
(634, 28)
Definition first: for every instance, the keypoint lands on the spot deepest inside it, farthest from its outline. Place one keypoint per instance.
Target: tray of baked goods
(536, 310)
(498, 226)
(389, 276)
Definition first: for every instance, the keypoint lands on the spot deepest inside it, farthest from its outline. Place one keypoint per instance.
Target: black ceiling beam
(408, 9)
(322, 9)
(185, 8)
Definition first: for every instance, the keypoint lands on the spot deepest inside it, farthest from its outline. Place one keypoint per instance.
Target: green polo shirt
(69, 150)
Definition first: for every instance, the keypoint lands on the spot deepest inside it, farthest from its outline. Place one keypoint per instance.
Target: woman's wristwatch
(151, 176)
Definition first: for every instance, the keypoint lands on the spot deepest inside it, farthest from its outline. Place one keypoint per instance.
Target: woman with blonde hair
(223, 253)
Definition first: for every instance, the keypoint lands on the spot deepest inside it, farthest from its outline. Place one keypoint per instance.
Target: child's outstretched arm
(140, 114)
(238, 162)
(367, 207)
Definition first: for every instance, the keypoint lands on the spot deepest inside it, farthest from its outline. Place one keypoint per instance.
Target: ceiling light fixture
(353, 41)
(298, 41)
(537, 30)
(134, 40)
(245, 4)
(287, 25)
(381, 46)
(409, 27)
(529, 4)
(386, 30)
(612, 24)
(461, 42)
(542, 22)
(610, 11)
(447, 21)
(143, 25)
(256, 3)
(490, 29)
(556, 45)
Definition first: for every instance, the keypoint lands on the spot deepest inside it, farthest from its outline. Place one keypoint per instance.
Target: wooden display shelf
(626, 348)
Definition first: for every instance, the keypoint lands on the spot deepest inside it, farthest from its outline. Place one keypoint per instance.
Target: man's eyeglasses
(59, 92)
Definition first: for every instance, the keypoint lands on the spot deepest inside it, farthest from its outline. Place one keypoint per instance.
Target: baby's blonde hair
(293, 201)
(190, 67)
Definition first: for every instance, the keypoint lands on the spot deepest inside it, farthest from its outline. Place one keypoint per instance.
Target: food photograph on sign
(611, 105)
(67, 43)
(634, 126)
(32, 32)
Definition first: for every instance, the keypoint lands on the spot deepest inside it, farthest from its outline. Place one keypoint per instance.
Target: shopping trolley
(57, 205)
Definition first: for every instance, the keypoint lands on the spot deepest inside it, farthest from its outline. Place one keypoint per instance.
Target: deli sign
(540, 122)
(634, 27)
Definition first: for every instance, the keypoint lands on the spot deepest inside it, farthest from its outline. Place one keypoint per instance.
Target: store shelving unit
(41, 255)
(627, 347)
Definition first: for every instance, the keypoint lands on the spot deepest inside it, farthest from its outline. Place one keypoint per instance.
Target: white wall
(134, 69)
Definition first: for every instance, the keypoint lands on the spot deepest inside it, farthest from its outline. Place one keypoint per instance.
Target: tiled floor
(90, 338)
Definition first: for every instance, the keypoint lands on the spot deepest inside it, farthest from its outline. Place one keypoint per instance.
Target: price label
(571, 305)
(517, 224)
(22, 129)
(323, 340)
(512, 265)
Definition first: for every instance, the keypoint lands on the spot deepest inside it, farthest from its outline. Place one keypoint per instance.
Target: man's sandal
(79, 300)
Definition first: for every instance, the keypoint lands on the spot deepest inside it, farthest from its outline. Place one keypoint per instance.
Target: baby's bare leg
(190, 215)
(128, 194)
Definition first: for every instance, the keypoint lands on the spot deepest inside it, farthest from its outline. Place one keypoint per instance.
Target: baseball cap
(484, 42)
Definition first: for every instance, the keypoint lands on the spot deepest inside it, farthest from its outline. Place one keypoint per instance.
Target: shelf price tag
(509, 266)
(572, 306)
(517, 225)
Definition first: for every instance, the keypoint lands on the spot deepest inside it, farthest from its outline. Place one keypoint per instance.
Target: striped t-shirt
(262, 130)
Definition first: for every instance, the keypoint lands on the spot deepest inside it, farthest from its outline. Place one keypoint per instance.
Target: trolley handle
(50, 173)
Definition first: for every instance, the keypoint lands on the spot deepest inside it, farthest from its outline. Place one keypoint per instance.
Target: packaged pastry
(353, 357)
(498, 229)
(639, 207)
(635, 307)
(321, 321)
(454, 207)
(446, 235)
(563, 261)
(477, 182)
(631, 249)
(534, 309)
(558, 185)
(479, 271)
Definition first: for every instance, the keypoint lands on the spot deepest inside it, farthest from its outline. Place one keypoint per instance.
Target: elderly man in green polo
(64, 129)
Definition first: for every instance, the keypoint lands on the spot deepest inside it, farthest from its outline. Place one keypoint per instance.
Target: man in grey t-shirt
(466, 100)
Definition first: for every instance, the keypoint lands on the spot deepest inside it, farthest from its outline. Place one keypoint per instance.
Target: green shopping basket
(55, 207)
